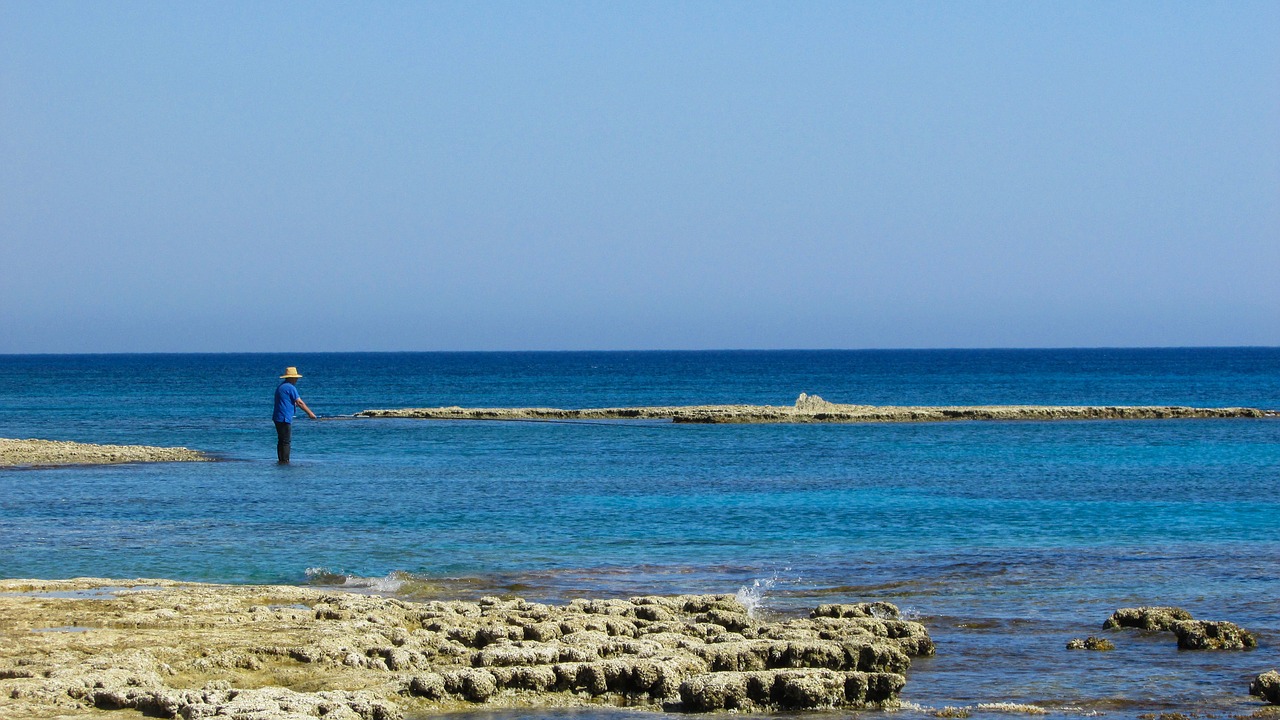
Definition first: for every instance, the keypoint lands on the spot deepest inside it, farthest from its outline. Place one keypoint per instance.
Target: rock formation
(1211, 635)
(1192, 634)
(1267, 687)
(196, 651)
(813, 409)
(1146, 618)
(1091, 643)
(43, 453)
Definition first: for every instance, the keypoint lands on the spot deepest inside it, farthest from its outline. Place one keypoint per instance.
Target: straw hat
(290, 372)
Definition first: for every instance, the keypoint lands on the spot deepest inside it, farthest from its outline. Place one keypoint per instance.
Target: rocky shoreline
(74, 648)
(194, 651)
(813, 409)
(46, 453)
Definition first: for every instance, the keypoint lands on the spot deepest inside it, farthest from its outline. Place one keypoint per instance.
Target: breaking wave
(390, 583)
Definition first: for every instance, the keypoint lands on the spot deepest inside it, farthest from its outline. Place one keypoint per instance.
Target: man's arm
(303, 405)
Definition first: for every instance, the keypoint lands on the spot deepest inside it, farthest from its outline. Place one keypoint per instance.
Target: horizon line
(643, 350)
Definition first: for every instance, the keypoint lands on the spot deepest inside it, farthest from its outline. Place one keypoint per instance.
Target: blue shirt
(286, 396)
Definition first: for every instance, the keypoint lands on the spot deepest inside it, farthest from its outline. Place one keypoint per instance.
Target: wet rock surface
(196, 651)
(1146, 618)
(1212, 635)
(1091, 643)
(1267, 686)
(1192, 634)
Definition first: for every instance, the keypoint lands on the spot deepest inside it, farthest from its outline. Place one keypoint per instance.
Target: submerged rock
(1267, 687)
(1146, 618)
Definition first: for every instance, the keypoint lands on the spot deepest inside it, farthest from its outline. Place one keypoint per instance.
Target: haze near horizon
(515, 176)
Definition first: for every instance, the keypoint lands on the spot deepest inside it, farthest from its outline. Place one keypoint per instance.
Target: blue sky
(491, 176)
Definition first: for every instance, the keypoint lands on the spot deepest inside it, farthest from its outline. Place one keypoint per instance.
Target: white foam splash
(754, 596)
(324, 576)
(963, 711)
(390, 583)
(1012, 708)
(881, 613)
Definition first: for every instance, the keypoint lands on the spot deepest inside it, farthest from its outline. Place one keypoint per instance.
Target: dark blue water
(1007, 539)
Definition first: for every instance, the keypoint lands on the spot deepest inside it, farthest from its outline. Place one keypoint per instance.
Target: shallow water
(1006, 539)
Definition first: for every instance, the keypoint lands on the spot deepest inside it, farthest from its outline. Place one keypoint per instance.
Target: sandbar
(46, 453)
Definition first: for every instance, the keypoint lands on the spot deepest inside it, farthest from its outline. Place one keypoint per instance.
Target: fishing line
(653, 424)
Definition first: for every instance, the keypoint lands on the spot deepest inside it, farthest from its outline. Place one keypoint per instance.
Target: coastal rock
(259, 704)
(788, 689)
(813, 403)
(1212, 635)
(877, 619)
(199, 651)
(1267, 687)
(881, 610)
(1091, 643)
(1146, 618)
(44, 453)
(813, 409)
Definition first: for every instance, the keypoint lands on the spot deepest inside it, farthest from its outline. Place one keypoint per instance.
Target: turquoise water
(1006, 539)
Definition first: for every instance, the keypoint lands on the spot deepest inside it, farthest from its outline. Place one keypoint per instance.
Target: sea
(1006, 539)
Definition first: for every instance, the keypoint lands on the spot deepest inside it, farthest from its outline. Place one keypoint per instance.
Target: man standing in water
(286, 400)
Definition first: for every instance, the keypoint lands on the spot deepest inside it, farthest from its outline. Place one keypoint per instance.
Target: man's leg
(284, 436)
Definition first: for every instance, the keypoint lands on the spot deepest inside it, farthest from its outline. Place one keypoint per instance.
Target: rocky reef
(43, 453)
(813, 409)
(199, 651)
(1192, 634)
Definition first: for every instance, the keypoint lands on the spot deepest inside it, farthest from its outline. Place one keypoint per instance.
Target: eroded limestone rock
(1192, 634)
(813, 409)
(1091, 643)
(1146, 618)
(1267, 687)
(199, 651)
(788, 689)
(43, 453)
(1212, 635)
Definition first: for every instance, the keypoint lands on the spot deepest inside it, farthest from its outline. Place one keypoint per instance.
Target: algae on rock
(1146, 618)
(1192, 634)
(1267, 686)
(194, 651)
